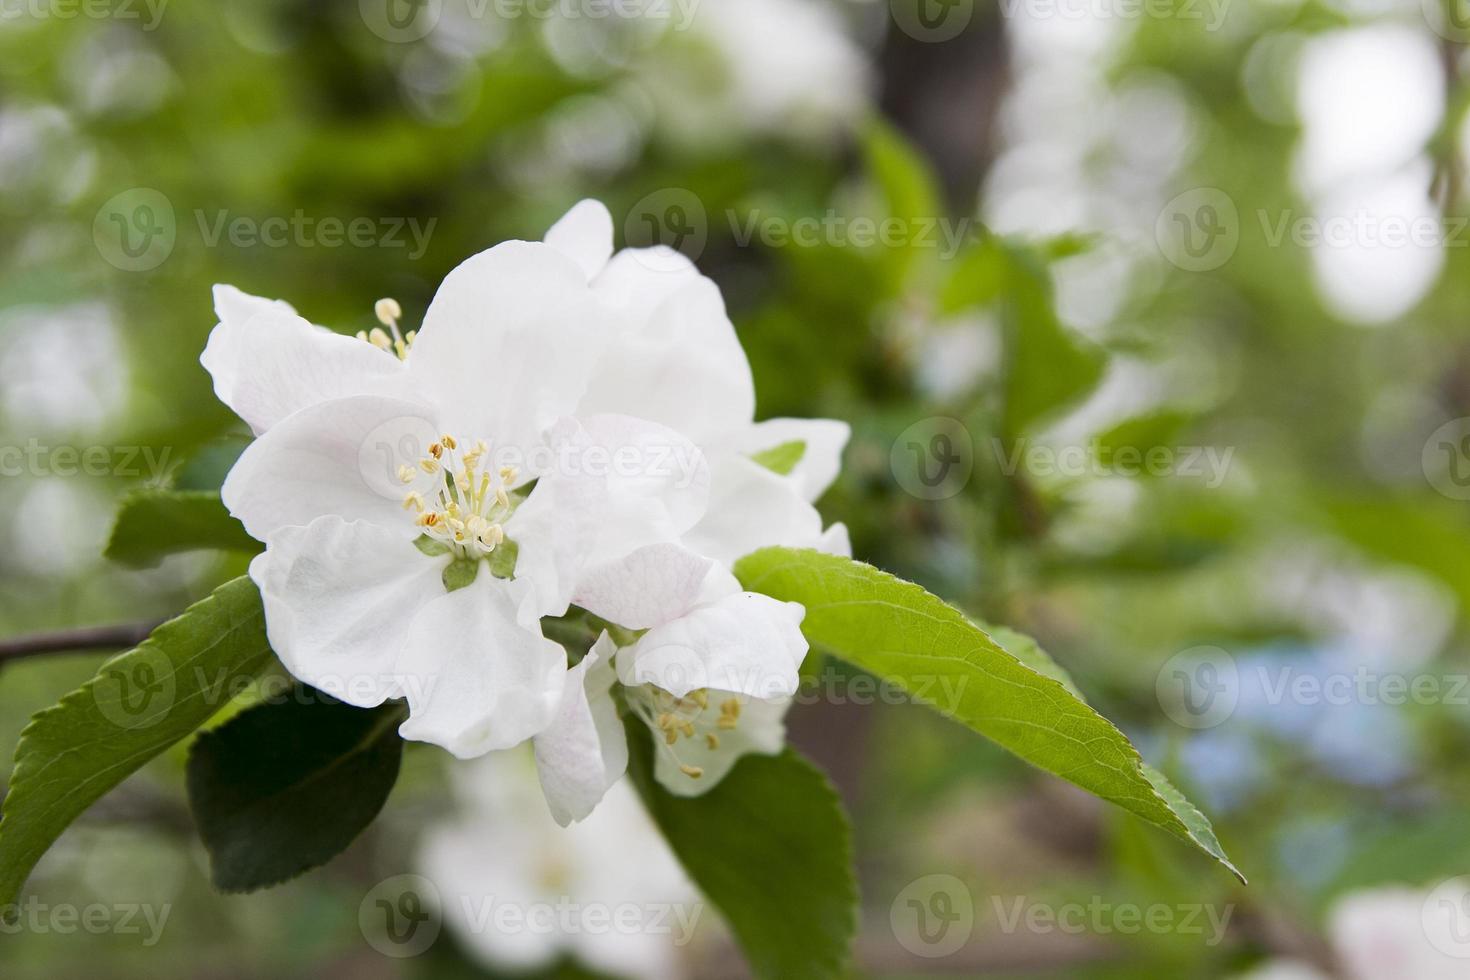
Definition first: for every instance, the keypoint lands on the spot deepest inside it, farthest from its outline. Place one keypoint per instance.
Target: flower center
(688, 718)
(469, 506)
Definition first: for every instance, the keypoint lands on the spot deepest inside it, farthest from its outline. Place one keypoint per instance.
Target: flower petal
(761, 729)
(507, 345)
(584, 751)
(683, 367)
(747, 643)
(484, 682)
(610, 485)
(339, 599)
(751, 507)
(653, 585)
(339, 457)
(820, 461)
(275, 363)
(585, 235)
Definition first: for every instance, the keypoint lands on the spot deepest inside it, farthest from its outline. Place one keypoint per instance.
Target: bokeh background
(1149, 317)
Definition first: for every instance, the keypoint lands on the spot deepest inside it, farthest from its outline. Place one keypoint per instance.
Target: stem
(119, 637)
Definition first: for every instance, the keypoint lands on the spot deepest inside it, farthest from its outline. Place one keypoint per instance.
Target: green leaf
(152, 524)
(1047, 366)
(139, 704)
(460, 573)
(207, 468)
(771, 847)
(1019, 699)
(781, 459)
(285, 787)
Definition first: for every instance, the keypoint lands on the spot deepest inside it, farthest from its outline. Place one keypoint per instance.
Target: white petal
(584, 751)
(835, 541)
(507, 345)
(751, 507)
(762, 730)
(339, 599)
(339, 457)
(747, 643)
(636, 282)
(275, 363)
(481, 681)
(585, 235)
(683, 367)
(611, 485)
(822, 458)
(650, 586)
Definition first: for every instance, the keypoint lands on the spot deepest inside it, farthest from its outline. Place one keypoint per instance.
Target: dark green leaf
(284, 787)
(139, 704)
(153, 524)
(1020, 700)
(770, 845)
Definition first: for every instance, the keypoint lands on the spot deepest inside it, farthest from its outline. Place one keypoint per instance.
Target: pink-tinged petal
(584, 750)
(476, 680)
(275, 364)
(653, 585)
(585, 235)
(339, 457)
(507, 345)
(747, 643)
(339, 599)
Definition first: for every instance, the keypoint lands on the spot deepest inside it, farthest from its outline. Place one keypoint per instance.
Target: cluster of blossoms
(569, 432)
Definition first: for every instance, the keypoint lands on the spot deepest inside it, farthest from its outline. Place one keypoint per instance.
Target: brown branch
(119, 637)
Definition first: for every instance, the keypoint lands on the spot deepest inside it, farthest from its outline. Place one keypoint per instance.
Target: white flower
(353, 605)
(711, 678)
(519, 892)
(382, 460)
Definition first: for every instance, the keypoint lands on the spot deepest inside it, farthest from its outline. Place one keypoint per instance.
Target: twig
(119, 637)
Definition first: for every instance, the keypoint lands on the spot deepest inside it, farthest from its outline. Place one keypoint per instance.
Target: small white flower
(520, 892)
(712, 678)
